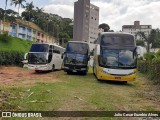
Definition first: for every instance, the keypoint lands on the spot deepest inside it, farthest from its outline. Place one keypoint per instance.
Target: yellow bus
(115, 57)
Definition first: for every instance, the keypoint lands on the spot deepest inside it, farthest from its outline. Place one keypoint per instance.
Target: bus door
(57, 57)
(50, 54)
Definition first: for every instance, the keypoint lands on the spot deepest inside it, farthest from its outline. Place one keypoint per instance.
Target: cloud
(116, 13)
(63, 2)
(122, 12)
(65, 11)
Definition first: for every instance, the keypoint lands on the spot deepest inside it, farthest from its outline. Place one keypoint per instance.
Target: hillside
(8, 43)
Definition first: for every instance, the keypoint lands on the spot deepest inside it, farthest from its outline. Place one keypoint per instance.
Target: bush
(149, 56)
(151, 68)
(158, 53)
(143, 66)
(5, 37)
(11, 57)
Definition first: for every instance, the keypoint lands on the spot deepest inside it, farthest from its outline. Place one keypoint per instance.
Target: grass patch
(14, 44)
(79, 93)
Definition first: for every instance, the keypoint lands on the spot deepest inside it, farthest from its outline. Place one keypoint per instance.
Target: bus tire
(68, 72)
(37, 71)
(84, 72)
(124, 82)
(53, 68)
(93, 71)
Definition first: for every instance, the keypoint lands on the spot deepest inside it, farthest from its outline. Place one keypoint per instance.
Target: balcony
(38, 37)
(21, 31)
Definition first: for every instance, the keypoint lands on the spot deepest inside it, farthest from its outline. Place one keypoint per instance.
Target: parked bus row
(115, 57)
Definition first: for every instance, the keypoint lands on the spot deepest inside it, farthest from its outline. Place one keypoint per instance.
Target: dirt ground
(16, 76)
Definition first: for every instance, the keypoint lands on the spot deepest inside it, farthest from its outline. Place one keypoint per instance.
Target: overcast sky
(113, 12)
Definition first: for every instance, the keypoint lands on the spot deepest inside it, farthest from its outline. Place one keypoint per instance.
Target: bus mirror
(88, 58)
(25, 56)
(135, 52)
(62, 55)
(50, 51)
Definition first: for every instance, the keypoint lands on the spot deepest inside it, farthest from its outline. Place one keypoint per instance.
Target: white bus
(44, 57)
(115, 57)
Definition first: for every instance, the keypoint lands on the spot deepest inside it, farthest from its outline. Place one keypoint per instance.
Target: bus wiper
(120, 63)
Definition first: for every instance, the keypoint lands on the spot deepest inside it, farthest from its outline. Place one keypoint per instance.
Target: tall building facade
(133, 29)
(86, 22)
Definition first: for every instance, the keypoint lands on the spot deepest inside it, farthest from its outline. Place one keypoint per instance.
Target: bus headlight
(132, 73)
(105, 72)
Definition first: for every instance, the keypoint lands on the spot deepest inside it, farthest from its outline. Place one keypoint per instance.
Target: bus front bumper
(38, 67)
(104, 76)
(75, 68)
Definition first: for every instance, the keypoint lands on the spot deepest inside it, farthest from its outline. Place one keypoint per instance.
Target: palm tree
(5, 11)
(39, 10)
(19, 3)
(39, 13)
(29, 8)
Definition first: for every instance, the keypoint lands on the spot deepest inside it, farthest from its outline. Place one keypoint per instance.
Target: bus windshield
(37, 58)
(117, 58)
(39, 48)
(79, 48)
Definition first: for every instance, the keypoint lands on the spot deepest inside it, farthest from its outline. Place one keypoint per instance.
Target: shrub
(5, 37)
(151, 68)
(143, 66)
(158, 53)
(11, 57)
(149, 56)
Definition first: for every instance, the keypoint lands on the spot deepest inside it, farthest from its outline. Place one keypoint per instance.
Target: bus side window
(56, 50)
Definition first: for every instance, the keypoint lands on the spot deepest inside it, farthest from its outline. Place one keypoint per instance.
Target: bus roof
(115, 33)
(126, 42)
(50, 44)
(77, 42)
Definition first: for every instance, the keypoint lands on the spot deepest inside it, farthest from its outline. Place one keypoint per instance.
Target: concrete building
(26, 30)
(86, 22)
(133, 29)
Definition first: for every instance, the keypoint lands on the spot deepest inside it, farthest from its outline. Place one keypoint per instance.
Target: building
(86, 22)
(133, 29)
(26, 30)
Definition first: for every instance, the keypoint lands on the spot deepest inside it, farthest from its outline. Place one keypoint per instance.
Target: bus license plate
(117, 78)
(74, 70)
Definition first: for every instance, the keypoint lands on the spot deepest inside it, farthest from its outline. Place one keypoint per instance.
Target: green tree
(105, 27)
(149, 39)
(1, 13)
(140, 43)
(63, 39)
(29, 9)
(39, 12)
(156, 43)
(19, 3)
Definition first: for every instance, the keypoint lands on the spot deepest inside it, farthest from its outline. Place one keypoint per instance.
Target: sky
(115, 13)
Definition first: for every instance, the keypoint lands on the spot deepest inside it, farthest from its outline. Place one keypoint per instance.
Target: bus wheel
(84, 72)
(93, 71)
(68, 72)
(53, 68)
(124, 82)
(37, 71)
